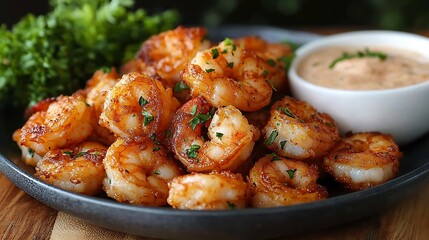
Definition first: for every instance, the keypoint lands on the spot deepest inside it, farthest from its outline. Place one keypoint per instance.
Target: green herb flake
(231, 205)
(80, 154)
(329, 124)
(200, 118)
(286, 111)
(31, 152)
(291, 173)
(143, 101)
(272, 137)
(180, 87)
(359, 54)
(215, 53)
(227, 41)
(271, 62)
(282, 144)
(209, 70)
(275, 157)
(219, 135)
(265, 73)
(192, 152)
(193, 110)
(168, 133)
(148, 118)
(156, 148)
(231, 64)
(68, 153)
(156, 172)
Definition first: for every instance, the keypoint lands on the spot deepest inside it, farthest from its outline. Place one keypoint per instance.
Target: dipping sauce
(399, 68)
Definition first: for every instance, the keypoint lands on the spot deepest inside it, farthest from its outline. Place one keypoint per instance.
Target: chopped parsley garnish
(265, 73)
(219, 135)
(209, 70)
(271, 62)
(148, 118)
(156, 172)
(156, 148)
(212, 111)
(227, 41)
(31, 152)
(231, 64)
(193, 110)
(215, 53)
(282, 145)
(272, 137)
(200, 118)
(153, 138)
(286, 111)
(143, 101)
(192, 152)
(80, 154)
(275, 156)
(68, 153)
(359, 54)
(329, 124)
(180, 87)
(231, 205)
(291, 172)
(168, 133)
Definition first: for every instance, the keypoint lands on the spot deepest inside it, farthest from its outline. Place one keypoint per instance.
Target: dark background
(369, 14)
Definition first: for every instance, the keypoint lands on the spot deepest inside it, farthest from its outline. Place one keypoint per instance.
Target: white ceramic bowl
(402, 112)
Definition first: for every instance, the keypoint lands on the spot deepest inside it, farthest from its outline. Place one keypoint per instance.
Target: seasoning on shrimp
(65, 122)
(124, 114)
(78, 168)
(272, 55)
(234, 77)
(276, 181)
(97, 88)
(169, 51)
(208, 191)
(231, 137)
(363, 160)
(138, 171)
(296, 130)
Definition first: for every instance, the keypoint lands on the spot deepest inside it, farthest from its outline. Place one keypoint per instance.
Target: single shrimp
(276, 181)
(231, 137)
(169, 51)
(78, 168)
(97, 88)
(273, 55)
(363, 160)
(208, 191)
(137, 172)
(229, 75)
(138, 106)
(67, 121)
(296, 130)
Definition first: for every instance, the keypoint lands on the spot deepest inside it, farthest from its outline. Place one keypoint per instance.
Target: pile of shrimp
(195, 124)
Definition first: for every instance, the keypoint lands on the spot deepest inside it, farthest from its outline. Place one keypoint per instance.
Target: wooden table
(22, 217)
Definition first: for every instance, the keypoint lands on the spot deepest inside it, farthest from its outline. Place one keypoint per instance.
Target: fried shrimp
(231, 137)
(137, 171)
(363, 160)
(169, 51)
(277, 181)
(66, 121)
(97, 88)
(208, 191)
(273, 55)
(77, 169)
(296, 130)
(138, 106)
(229, 75)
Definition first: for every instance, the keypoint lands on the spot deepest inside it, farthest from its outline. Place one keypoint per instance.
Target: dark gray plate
(236, 224)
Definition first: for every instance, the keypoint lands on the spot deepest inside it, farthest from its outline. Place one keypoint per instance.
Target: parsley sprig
(359, 54)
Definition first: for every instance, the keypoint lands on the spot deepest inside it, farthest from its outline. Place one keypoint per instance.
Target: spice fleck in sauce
(399, 68)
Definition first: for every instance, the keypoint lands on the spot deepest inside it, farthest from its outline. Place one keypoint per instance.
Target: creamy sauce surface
(400, 68)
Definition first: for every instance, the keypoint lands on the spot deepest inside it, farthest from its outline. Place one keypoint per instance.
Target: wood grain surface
(22, 217)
